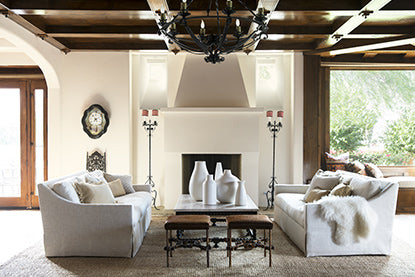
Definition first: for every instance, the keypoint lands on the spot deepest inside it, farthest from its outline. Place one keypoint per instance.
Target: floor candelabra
(150, 127)
(274, 127)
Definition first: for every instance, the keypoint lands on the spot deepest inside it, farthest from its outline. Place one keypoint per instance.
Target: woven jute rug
(287, 260)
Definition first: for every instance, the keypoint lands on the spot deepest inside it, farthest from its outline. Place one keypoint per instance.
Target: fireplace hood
(211, 85)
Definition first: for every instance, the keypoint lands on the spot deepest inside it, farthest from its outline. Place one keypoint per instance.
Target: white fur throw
(351, 218)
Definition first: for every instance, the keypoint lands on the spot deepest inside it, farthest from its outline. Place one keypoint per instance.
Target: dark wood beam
(35, 30)
(109, 29)
(284, 45)
(360, 58)
(76, 5)
(322, 5)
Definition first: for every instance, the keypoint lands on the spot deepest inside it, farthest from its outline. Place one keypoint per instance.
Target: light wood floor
(20, 229)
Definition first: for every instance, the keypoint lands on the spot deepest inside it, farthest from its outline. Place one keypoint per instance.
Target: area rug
(287, 260)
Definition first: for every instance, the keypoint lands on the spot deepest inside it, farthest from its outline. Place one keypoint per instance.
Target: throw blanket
(351, 218)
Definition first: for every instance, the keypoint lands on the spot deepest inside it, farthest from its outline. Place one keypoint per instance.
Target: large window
(372, 115)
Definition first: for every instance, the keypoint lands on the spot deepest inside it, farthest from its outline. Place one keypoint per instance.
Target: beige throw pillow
(365, 187)
(117, 188)
(325, 180)
(98, 193)
(341, 190)
(316, 194)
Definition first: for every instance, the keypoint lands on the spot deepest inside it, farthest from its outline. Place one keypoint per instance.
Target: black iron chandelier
(224, 39)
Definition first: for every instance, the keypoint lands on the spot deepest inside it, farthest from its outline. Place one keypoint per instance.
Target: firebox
(229, 161)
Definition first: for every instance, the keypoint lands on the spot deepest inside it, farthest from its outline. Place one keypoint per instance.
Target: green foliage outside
(362, 104)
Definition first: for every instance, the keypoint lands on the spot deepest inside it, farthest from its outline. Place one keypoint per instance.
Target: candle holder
(274, 127)
(150, 127)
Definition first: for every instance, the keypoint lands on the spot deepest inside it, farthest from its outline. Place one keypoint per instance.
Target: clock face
(95, 121)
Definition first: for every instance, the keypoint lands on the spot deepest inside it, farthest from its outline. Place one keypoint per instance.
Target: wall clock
(95, 121)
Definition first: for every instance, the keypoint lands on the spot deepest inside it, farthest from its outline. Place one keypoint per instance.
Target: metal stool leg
(171, 244)
(270, 246)
(265, 240)
(207, 246)
(230, 246)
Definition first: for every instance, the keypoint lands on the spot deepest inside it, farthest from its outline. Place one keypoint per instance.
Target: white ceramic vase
(209, 191)
(240, 197)
(218, 171)
(199, 175)
(226, 187)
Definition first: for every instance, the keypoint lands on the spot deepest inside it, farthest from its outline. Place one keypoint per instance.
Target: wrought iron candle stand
(274, 127)
(150, 127)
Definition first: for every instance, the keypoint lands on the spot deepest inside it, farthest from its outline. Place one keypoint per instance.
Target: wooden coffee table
(186, 205)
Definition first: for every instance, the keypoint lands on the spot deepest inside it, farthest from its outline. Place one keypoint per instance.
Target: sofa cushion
(140, 200)
(66, 190)
(97, 193)
(403, 181)
(373, 171)
(323, 180)
(336, 163)
(117, 188)
(95, 177)
(126, 181)
(365, 187)
(356, 167)
(293, 205)
(316, 194)
(341, 190)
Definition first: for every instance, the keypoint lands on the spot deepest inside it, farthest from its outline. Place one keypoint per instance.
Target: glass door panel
(23, 141)
(10, 157)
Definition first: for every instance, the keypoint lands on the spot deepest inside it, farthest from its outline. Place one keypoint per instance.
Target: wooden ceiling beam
(35, 30)
(96, 46)
(359, 58)
(76, 5)
(99, 29)
(351, 24)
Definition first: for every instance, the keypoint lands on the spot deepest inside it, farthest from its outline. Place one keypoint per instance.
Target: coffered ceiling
(356, 29)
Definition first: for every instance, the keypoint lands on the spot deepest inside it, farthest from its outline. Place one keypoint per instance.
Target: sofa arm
(72, 229)
(290, 188)
(142, 188)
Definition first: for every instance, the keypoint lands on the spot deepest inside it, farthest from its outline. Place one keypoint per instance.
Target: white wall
(112, 79)
(76, 81)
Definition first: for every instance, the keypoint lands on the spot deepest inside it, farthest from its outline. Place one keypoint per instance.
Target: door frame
(28, 197)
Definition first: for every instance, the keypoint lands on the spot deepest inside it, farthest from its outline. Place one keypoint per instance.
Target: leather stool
(250, 222)
(185, 222)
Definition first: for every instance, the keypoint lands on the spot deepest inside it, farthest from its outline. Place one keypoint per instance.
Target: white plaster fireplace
(210, 130)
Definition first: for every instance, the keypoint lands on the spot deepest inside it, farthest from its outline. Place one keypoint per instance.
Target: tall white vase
(218, 171)
(226, 187)
(209, 191)
(240, 197)
(199, 175)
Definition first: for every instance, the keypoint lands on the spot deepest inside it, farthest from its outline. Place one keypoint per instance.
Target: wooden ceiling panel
(299, 25)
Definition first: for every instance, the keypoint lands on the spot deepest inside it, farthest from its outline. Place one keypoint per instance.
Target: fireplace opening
(229, 161)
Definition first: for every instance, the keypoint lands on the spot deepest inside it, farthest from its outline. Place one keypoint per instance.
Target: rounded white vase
(226, 187)
(197, 178)
(209, 191)
(240, 197)
(218, 171)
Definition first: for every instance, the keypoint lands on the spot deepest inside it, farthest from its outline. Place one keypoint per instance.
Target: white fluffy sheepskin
(351, 218)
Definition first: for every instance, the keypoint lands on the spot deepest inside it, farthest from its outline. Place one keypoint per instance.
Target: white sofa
(304, 225)
(76, 229)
